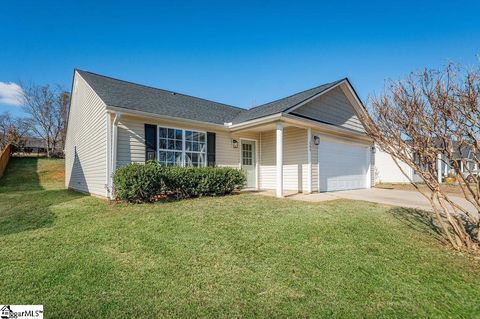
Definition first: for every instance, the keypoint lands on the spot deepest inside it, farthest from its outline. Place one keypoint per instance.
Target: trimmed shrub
(184, 182)
(138, 182)
(141, 183)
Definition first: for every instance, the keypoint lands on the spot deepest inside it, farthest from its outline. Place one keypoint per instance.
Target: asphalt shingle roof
(123, 94)
(281, 105)
(138, 97)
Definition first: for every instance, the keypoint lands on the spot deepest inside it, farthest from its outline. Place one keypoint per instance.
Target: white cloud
(11, 94)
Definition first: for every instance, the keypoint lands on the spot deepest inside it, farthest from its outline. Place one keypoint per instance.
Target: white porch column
(309, 161)
(279, 162)
(439, 168)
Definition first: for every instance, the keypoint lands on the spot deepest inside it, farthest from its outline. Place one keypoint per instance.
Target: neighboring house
(33, 145)
(387, 171)
(307, 142)
(470, 167)
(29, 144)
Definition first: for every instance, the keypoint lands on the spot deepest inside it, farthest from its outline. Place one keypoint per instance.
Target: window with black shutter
(150, 142)
(211, 146)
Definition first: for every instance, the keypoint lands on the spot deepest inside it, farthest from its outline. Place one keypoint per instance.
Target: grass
(236, 256)
(451, 189)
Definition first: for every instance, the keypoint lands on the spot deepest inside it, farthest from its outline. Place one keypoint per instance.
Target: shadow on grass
(31, 210)
(418, 220)
(25, 204)
(21, 174)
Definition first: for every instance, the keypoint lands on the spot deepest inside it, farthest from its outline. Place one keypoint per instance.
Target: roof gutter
(255, 122)
(126, 111)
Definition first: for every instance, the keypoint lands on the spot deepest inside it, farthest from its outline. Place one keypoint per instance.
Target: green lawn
(236, 256)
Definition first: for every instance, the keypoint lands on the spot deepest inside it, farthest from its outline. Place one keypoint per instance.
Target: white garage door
(342, 165)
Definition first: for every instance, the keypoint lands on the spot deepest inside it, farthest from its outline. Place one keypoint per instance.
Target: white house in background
(307, 142)
(387, 171)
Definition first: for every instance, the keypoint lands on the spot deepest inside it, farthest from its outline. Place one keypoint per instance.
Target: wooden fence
(4, 157)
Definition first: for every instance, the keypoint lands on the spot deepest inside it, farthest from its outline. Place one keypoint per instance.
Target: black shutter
(211, 137)
(150, 142)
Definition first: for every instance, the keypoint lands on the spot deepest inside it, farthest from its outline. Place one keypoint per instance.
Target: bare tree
(13, 130)
(430, 118)
(47, 107)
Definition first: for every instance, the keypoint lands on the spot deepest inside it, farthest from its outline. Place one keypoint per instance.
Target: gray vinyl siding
(334, 108)
(85, 147)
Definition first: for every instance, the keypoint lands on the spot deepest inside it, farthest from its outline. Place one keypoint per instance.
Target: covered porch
(281, 154)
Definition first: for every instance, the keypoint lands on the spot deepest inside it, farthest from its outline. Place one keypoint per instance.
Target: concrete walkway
(410, 199)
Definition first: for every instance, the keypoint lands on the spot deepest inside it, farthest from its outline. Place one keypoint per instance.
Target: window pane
(162, 132)
(162, 144)
(195, 147)
(195, 136)
(178, 145)
(188, 159)
(170, 157)
(178, 158)
(202, 137)
(178, 134)
(188, 146)
(188, 135)
(171, 133)
(162, 156)
(171, 144)
(201, 159)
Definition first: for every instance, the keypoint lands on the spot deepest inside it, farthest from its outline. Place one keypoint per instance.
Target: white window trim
(183, 151)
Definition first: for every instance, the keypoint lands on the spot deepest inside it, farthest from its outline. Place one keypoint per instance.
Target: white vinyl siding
(315, 181)
(386, 171)
(85, 146)
(267, 177)
(334, 108)
(294, 159)
(131, 140)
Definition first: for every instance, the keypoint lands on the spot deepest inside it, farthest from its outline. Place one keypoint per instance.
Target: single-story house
(307, 142)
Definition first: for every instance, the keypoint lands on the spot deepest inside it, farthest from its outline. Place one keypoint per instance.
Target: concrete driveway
(410, 199)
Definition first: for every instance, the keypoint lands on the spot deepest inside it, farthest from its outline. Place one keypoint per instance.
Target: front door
(249, 163)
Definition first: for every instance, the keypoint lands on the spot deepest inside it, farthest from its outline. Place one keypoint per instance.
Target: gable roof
(131, 96)
(123, 94)
(282, 105)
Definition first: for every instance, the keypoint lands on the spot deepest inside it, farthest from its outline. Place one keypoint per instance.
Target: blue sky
(241, 53)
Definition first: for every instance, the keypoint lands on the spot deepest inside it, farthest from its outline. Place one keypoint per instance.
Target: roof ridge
(159, 89)
(297, 93)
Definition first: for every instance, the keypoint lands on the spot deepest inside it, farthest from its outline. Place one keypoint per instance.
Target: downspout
(113, 164)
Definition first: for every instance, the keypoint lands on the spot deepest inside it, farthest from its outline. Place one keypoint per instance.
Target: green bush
(184, 182)
(140, 183)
